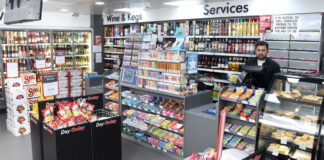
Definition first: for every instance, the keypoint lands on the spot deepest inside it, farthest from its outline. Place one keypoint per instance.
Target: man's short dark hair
(262, 43)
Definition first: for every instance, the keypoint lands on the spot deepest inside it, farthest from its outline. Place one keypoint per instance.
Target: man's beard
(262, 58)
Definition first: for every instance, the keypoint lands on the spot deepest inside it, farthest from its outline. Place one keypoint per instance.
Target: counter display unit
(242, 106)
(157, 119)
(290, 120)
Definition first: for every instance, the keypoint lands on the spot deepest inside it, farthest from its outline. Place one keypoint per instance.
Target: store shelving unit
(24, 44)
(190, 101)
(211, 44)
(110, 87)
(298, 118)
(241, 121)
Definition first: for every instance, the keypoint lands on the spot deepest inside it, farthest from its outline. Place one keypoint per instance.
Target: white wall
(52, 20)
(256, 7)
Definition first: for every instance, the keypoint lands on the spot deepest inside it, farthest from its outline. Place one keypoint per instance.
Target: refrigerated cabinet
(290, 119)
(22, 46)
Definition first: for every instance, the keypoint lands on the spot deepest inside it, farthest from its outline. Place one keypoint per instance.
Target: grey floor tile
(19, 148)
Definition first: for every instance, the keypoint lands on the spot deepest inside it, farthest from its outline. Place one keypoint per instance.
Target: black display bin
(106, 137)
(36, 138)
(91, 141)
(68, 143)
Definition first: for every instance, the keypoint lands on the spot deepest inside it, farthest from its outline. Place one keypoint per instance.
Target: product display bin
(88, 141)
(37, 141)
(290, 119)
(106, 136)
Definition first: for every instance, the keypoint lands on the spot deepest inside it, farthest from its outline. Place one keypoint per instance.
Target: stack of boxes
(76, 83)
(33, 90)
(17, 108)
(63, 80)
(70, 83)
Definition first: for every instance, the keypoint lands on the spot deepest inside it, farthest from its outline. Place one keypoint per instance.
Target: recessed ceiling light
(64, 10)
(45, 0)
(128, 9)
(181, 3)
(100, 3)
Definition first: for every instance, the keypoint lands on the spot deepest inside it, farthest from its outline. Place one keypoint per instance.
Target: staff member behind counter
(262, 80)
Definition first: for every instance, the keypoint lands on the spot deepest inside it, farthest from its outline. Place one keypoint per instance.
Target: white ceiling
(88, 7)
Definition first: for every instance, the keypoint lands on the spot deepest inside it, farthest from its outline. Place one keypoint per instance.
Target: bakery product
(281, 148)
(289, 114)
(312, 99)
(278, 93)
(309, 140)
(278, 134)
(302, 155)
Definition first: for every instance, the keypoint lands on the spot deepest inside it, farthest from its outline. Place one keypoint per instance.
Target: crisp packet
(48, 113)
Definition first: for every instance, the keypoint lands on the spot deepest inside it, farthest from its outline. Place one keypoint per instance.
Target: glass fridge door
(62, 42)
(82, 51)
(289, 122)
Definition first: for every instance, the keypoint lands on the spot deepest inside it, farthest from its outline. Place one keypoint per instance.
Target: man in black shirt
(270, 66)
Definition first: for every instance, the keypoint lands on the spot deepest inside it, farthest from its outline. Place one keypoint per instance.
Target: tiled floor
(19, 148)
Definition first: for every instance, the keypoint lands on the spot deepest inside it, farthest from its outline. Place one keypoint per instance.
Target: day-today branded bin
(106, 136)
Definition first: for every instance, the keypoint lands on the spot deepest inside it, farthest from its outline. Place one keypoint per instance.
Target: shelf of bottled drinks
(21, 46)
(222, 45)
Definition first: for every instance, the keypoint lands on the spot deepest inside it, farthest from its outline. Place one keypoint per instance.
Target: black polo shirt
(263, 80)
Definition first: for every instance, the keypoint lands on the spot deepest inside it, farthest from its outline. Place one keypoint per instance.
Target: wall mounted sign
(285, 23)
(265, 23)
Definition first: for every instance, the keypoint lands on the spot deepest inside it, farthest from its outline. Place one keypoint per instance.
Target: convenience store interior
(161, 80)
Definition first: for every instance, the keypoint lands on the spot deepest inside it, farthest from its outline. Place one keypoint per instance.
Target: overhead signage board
(216, 9)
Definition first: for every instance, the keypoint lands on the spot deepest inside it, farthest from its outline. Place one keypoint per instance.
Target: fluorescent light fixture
(128, 9)
(100, 3)
(45, 0)
(181, 3)
(64, 10)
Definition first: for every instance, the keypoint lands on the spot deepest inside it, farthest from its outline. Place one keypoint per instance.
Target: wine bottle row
(38, 37)
(223, 63)
(14, 51)
(225, 27)
(240, 46)
(13, 37)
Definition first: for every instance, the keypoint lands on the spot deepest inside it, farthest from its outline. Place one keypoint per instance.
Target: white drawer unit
(277, 36)
(304, 55)
(305, 46)
(303, 65)
(278, 44)
(278, 53)
(306, 36)
(283, 63)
